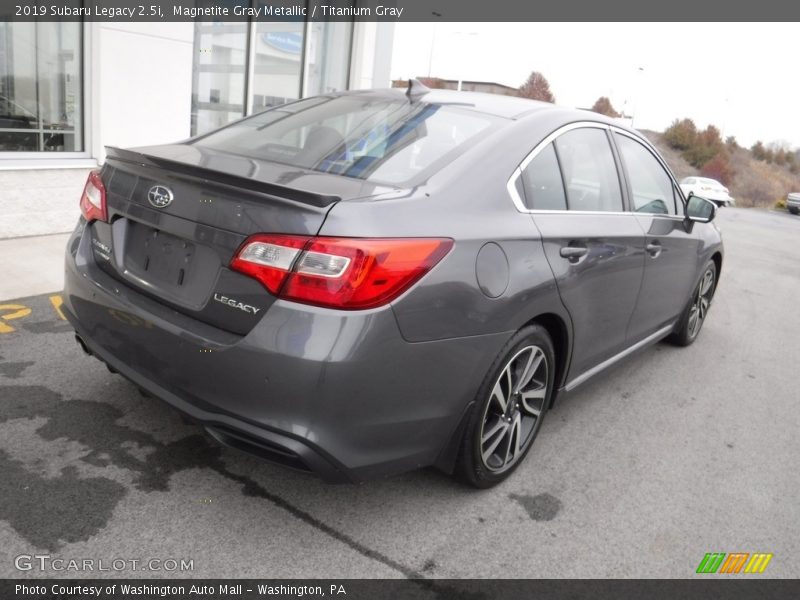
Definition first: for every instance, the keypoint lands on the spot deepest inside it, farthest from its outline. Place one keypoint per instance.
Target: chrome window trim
(511, 184)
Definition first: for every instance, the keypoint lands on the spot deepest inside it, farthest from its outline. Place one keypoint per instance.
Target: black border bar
(699, 588)
(404, 11)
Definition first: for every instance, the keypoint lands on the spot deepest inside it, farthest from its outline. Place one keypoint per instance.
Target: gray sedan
(363, 283)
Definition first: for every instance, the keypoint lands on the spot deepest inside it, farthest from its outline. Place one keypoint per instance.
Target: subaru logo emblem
(159, 196)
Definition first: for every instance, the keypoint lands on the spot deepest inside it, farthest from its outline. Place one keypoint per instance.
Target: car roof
(509, 107)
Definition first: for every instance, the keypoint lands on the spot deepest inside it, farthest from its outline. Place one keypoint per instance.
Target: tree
(536, 87)
(696, 147)
(731, 142)
(604, 107)
(681, 135)
(758, 150)
(707, 145)
(719, 168)
(776, 145)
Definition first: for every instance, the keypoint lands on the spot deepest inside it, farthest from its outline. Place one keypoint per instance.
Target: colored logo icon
(733, 563)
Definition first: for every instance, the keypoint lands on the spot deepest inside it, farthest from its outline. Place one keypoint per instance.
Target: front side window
(590, 173)
(544, 188)
(651, 186)
(379, 139)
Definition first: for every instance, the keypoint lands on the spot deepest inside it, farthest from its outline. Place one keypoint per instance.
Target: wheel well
(558, 332)
(717, 258)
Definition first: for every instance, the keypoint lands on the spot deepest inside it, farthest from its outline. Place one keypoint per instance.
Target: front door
(671, 252)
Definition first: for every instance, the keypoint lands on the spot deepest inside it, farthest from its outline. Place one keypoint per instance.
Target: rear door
(595, 248)
(671, 251)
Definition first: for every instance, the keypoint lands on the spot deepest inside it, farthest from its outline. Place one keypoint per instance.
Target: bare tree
(604, 107)
(537, 88)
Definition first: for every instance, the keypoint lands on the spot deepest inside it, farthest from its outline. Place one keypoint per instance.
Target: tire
(696, 311)
(794, 210)
(526, 364)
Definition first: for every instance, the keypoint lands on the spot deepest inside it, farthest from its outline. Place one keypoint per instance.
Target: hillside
(755, 182)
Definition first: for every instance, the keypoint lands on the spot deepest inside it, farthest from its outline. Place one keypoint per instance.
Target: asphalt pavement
(673, 454)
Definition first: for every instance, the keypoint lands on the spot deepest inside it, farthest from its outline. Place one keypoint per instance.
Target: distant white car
(707, 188)
(793, 203)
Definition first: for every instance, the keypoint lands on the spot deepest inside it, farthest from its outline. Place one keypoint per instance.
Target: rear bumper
(225, 429)
(340, 394)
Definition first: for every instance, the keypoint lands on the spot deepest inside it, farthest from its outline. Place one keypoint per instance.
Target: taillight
(269, 258)
(346, 273)
(93, 199)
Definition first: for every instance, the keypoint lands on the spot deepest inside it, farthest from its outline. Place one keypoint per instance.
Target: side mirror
(699, 209)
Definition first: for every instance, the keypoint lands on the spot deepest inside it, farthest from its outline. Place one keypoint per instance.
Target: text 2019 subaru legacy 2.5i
(363, 283)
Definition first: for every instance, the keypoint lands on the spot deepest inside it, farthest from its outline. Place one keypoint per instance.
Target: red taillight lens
(269, 258)
(93, 199)
(346, 273)
(357, 273)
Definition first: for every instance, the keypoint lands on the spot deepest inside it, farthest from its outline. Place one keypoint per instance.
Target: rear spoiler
(271, 189)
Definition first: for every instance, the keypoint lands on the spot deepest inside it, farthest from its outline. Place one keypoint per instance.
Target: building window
(328, 60)
(41, 87)
(218, 74)
(278, 67)
(244, 68)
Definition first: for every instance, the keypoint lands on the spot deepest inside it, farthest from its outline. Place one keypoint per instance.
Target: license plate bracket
(158, 257)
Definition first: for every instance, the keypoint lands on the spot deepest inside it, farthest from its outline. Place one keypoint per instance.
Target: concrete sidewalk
(32, 265)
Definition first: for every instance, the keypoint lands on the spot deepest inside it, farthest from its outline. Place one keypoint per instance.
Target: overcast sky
(741, 77)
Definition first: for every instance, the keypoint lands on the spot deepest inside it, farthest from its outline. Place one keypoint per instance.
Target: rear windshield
(383, 140)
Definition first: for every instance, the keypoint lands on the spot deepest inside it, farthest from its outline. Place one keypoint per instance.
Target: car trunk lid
(178, 214)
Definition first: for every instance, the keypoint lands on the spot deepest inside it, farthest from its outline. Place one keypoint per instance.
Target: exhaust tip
(83, 345)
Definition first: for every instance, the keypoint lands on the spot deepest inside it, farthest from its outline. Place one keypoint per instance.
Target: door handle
(573, 253)
(654, 248)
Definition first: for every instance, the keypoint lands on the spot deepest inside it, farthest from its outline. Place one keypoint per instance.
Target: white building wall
(141, 84)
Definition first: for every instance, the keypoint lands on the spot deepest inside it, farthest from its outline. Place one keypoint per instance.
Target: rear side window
(388, 140)
(544, 188)
(590, 173)
(651, 186)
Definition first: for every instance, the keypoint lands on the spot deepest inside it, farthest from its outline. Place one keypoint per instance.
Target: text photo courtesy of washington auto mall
(401, 299)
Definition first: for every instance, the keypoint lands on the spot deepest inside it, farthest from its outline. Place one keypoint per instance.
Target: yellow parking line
(57, 301)
(17, 311)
